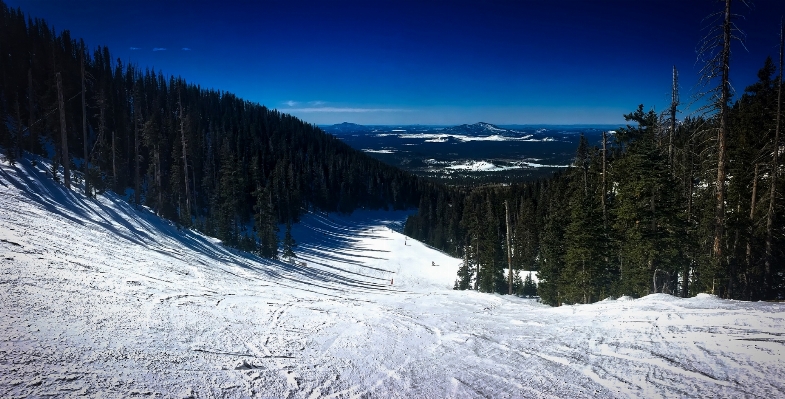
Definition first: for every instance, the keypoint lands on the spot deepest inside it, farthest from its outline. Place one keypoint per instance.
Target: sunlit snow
(379, 151)
(100, 299)
(443, 137)
(486, 166)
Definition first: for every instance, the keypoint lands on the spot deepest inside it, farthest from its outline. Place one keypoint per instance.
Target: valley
(472, 154)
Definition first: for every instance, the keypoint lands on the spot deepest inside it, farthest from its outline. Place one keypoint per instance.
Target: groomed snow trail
(99, 299)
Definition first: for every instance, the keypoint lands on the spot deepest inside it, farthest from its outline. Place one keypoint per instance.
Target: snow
(486, 166)
(378, 151)
(539, 165)
(443, 137)
(476, 166)
(100, 299)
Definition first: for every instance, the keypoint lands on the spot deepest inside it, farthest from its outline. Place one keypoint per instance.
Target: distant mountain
(344, 128)
(479, 129)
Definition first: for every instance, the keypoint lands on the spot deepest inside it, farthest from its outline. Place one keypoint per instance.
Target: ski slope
(99, 299)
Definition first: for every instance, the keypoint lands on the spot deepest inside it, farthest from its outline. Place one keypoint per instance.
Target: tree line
(203, 158)
(661, 205)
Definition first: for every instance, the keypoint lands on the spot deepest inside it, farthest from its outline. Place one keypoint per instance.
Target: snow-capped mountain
(481, 129)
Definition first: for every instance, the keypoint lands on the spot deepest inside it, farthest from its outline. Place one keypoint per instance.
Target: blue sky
(426, 62)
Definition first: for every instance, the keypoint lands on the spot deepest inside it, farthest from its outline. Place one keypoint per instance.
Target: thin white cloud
(291, 103)
(135, 48)
(316, 103)
(159, 49)
(186, 49)
(350, 110)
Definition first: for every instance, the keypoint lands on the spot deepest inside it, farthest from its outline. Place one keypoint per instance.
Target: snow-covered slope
(99, 299)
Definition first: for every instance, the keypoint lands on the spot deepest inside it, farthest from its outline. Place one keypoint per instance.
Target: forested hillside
(672, 205)
(201, 157)
(635, 217)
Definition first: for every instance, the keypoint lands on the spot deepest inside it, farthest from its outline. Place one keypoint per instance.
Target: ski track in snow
(98, 299)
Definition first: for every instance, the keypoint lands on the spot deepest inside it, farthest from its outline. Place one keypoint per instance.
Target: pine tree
(551, 264)
(529, 288)
(289, 243)
(582, 278)
(266, 228)
(649, 225)
(464, 274)
(491, 271)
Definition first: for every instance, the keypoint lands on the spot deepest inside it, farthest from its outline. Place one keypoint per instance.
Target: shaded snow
(99, 299)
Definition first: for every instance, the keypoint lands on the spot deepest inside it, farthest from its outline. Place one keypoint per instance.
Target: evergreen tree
(289, 243)
(551, 262)
(529, 288)
(649, 225)
(464, 276)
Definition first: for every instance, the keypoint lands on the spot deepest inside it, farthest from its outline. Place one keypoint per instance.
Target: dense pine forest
(633, 215)
(202, 158)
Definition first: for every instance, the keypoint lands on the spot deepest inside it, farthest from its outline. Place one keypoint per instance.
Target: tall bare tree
(185, 156)
(86, 165)
(509, 249)
(63, 135)
(774, 167)
(31, 110)
(137, 119)
(604, 187)
(716, 49)
(673, 111)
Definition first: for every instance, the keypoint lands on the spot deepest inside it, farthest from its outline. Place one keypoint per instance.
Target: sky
(427, 62)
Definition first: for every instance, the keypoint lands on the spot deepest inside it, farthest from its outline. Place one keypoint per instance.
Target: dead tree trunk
(719, 218)
(86, 165)
(753, 201)
(102, 125)
(685, 282)
(114, 160)
(774, 172)
(158, 180)
(509, 250)
(604, 187)
(63, 135)
(477, 280)
(17, 143)
(31, 110)
(137, 184)
(185, 158)
(674, 104)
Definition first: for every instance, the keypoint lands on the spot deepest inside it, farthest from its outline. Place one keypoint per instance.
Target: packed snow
(100, 299)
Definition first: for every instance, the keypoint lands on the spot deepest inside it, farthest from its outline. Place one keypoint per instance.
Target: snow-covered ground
(487, 166)
(103, 300)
